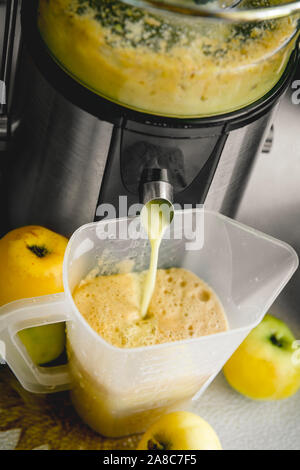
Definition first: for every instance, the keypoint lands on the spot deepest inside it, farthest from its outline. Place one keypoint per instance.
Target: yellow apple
(180, 430)
(262, 368)
(31, 265)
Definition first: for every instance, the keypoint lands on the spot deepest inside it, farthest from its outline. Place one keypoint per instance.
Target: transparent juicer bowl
(120, 391)
(167, 64)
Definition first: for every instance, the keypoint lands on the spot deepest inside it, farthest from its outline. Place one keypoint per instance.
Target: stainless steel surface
(272, 204)
(226, 14)
(9, 35)
(268, 143)
(9, 40)
(56, 166)
(2, 92)
(235, 166)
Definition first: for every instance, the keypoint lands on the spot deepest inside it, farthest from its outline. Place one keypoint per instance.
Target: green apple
(44, 343)
(31, 260)
(263, 368)
(180, 430)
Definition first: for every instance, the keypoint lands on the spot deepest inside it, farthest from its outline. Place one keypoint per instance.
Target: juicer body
(64, 162)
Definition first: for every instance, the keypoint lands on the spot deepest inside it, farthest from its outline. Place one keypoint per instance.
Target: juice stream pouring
(156, 216)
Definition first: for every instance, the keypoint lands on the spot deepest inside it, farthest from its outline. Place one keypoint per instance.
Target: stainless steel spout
(154, 185)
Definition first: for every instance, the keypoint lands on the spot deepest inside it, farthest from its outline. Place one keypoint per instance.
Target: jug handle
(27, 313)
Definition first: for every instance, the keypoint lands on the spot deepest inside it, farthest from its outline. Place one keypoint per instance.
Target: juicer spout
(155, 185)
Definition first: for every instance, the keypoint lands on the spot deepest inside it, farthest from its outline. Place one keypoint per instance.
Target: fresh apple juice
(181, 307)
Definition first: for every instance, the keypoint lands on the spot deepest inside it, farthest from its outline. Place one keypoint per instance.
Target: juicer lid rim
(232, 15)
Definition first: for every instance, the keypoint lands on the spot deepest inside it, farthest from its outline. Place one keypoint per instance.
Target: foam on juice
(182, 307)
